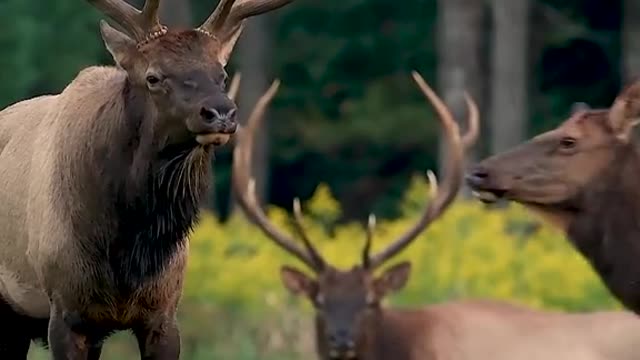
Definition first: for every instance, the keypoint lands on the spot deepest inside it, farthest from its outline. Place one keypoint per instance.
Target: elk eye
(568, 143)
(153, 79)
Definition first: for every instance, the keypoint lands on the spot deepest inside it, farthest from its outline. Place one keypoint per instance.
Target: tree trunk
(509, 75)
(175, 12)
(253, 56)
(630, 43)
(460, 40)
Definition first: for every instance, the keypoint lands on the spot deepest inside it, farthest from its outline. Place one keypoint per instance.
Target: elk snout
(216, 122)
(477, 176)
(484, 185)
(342, 342)
(220, 119)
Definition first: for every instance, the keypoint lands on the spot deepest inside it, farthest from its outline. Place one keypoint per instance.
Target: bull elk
(101, 183)
(583, 177)
(351, 323)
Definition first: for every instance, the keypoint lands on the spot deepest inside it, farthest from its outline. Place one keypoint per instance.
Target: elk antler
(234, 86)
(142, 25)
(442, 196)
(471, 136)
(229, 16)
(243, 186)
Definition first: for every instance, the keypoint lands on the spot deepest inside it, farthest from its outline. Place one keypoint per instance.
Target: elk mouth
(343, 355)
(489, 196)
(215, 139)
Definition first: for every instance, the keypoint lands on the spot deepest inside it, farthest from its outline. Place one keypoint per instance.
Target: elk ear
(227, 43)
(121, 46)
(393, 279)
(298, 282)
(624, 114)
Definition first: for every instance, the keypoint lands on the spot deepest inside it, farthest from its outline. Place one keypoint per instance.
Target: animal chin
(343, 355)
(215, 139)
(489, 196)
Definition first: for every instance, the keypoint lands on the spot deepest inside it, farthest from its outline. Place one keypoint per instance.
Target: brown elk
(351, 323)
(101, 183)
(584, 177)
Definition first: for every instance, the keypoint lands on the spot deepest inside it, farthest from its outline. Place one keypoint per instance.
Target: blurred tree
(39, 44)
(253, 55)
(509, 53)
(460, 49)
(630, 43)
(175, 12)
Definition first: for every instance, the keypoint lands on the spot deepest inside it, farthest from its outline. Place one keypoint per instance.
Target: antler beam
(230, 14)
(139, 24)
(243, 186)
(442, 197)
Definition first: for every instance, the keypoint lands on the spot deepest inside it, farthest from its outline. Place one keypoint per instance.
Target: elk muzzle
(216, 122)
(341, 345)
(484, 185)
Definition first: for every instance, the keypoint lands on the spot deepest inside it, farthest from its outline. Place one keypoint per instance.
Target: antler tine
(243, 185)
(443, 196)
(471, 136)
(231, 16)
(299, 226)
(139, 24)
(218, 17)
(149, 18)
(371, 227)
(234, 87)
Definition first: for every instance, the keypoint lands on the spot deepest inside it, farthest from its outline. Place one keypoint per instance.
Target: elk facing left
(101, 183)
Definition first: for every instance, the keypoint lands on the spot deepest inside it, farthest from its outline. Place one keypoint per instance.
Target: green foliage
(234, 306)
(45, 46)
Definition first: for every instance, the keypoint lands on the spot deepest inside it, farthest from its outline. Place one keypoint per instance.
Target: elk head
(554, 171)
(347, 302)
(180, 74)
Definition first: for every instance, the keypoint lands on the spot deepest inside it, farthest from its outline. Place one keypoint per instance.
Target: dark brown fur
(584, 176)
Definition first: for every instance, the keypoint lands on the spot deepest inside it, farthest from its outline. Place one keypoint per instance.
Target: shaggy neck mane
(607, 228)
(147, 193)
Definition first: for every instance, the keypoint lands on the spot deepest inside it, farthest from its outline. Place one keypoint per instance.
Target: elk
(352, 323)
(101, 184)
(584, 178)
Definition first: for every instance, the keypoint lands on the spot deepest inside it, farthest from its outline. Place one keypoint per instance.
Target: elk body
(584, 177)
(101, 183)
(351, 322)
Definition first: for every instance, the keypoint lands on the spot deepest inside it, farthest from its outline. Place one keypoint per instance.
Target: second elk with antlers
(351, 323)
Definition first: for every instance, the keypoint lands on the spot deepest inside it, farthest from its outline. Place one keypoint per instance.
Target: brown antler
(244, 189)
(234, 86)
(471, 136)
(229, 15)
(442, 196)
(140, 24)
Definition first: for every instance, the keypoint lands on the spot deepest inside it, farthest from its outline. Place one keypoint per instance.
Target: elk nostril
(231, 114)
(209, 114)
(231, 128)
(480, 174)
(477, 176)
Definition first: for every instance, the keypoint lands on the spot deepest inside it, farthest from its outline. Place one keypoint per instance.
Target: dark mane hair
(147, 192)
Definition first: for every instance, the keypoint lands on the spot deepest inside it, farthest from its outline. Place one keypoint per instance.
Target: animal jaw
(213, 139)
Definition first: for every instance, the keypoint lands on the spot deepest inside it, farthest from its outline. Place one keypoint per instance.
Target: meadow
(234, 306)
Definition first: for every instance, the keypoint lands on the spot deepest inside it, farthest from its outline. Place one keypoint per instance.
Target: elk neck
(142, 195)
(606, 230)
